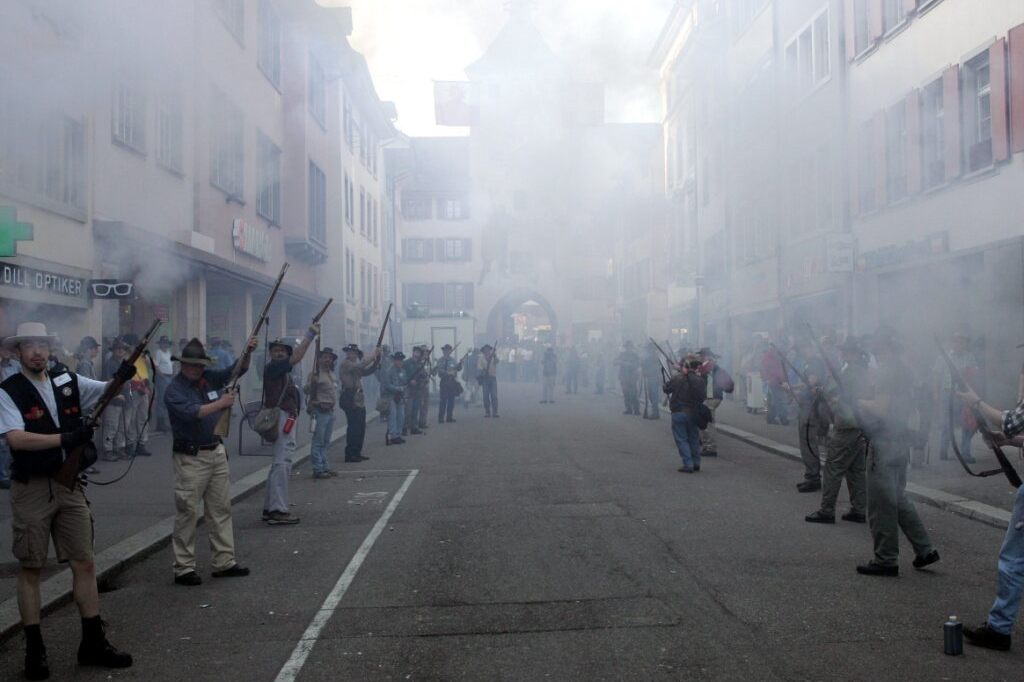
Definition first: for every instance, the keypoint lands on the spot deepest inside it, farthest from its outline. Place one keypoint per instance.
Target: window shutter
(874, 9)
(467, 249)
(913, 113)
(849, 11)
(1016, 68)
(951, 119)
(878, 149)
(997, 73)
(910, 6)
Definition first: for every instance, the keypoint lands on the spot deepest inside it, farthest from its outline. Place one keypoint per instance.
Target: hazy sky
(411, 43)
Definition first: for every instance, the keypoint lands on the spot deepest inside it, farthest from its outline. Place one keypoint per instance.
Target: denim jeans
(490, 387)
(1011, 571)
(280, 468)
(323, 426)
(687, 437)
(396, 418)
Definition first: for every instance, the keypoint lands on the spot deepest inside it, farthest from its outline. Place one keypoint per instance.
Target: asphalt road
(559, 544)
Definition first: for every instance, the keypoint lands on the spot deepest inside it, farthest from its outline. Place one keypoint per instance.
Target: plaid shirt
(1013, 420)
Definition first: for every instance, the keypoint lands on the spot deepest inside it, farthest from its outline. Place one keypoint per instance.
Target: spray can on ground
(953, 637)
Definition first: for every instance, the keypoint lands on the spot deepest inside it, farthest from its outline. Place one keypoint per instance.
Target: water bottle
(953, 637)
(289, 423)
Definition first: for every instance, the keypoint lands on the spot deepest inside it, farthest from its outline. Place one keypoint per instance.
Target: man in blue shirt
(194, 403)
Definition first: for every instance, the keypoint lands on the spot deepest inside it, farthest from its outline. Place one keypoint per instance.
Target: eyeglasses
(119, 289)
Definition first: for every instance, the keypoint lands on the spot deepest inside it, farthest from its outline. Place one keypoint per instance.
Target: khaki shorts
(43, 508)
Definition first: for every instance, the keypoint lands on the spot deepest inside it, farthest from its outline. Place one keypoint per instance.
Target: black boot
(95, 650)
(36, 665)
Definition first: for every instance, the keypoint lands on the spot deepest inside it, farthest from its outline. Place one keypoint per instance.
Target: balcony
(305, 250)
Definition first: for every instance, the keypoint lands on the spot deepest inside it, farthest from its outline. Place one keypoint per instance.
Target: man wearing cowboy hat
(447, 369)
(393, 382)
(321, 391)
(487, 375)
(280, 391)
(42, 417)
(417, 377)
(628, 363)
(194, 404)
(719, 382)
(353, 401)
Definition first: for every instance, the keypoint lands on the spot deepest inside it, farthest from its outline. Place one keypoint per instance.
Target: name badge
(62, 379)
(212, 395)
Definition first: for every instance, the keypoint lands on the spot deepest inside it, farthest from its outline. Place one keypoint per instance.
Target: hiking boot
(37, 667)
(983, 636)
(397, 440)
(855, 517)
(235, 571)
(809, 486)
(322, 474)
(820, 517)
(190, 579)
(926, 560)
(685, 470)
(280, 518)
(102, 653)
(872, 568)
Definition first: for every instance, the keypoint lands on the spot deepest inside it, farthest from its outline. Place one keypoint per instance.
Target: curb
(961, 506)
(56, 591)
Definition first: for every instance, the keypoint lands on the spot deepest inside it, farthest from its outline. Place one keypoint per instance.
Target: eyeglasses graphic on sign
(111, 288)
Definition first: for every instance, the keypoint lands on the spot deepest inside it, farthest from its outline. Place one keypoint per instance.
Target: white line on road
(293, 666)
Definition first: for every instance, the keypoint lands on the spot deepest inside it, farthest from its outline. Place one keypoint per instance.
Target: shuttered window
(1016, 69)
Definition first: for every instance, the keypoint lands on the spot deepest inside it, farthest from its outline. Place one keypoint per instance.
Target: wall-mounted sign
(840, 253)
(12, 275)
(111, 288)
(934, 244)
(12, 232)
(252, 240)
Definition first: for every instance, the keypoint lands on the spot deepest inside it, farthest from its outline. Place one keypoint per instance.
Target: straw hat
(30, 331)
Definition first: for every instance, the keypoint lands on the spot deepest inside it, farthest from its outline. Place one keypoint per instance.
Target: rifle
(986, 433)
(224, 423)
(323, 310)
(671, 362)
(387, 317)
(68, 473)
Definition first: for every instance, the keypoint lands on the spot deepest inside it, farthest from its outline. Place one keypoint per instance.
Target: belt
(188, 448)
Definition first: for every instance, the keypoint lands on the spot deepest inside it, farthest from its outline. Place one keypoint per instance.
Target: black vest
(28, 463)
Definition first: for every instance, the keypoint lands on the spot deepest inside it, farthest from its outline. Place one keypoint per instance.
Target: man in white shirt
(42, 418)
(164, 374)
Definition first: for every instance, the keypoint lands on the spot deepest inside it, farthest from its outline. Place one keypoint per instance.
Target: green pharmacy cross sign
(12, 232)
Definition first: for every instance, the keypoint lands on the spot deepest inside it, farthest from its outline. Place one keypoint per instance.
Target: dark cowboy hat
(707, 352)
(330, 351)
(446, 346)
(283, 343)
(486, 346)
(350, 348)
(87, 343)
(194, 354)
(398, 355)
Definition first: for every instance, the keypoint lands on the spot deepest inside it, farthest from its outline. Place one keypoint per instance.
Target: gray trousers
(889, 508)
(136, 412)
(280, 469)
(810, 445)
(846, 458)
(113, 427)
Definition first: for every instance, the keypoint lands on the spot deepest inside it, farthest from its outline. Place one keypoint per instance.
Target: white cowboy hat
(29, 331)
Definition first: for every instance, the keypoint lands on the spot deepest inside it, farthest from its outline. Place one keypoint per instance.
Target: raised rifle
(68, 473)
(387, 318)
(671, 362)
(986, 433)
(223, 427)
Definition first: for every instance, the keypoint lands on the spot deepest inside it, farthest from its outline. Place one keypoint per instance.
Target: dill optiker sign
(12, 275)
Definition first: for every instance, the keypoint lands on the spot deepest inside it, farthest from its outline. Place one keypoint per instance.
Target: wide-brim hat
(329, 351)
(707, 352)
(398, 355)
(851, 345)
(350, 348)
(29, 331)
(88, 343)
(194, 353)
(486, 346)
(283, 343)
(446, 346)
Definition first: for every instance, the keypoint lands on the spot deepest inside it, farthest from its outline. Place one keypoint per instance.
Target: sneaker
(280, 518)
(685, 470)
(809, 486)
(855, 517)
(983, 636)
(820, 517)
(397, 441)
(103, 654)
(37, 667)
(696, 468)
(324, 474)
(926, 560)
(872, 568)
(265, 515)
(235, 571)
(190, 579)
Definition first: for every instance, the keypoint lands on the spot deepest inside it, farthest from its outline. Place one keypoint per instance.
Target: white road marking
(369, 498)
(293, 666)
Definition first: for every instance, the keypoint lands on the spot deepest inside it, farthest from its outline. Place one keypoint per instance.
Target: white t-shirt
(162, 359)
(11, 419)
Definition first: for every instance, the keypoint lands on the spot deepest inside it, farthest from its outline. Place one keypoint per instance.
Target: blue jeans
(323, 426)
(396, 418)
(1011, 571)
(687, 437)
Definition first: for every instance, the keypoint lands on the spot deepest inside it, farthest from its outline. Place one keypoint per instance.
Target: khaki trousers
(890, 510)
(707, 436)
(203, 477)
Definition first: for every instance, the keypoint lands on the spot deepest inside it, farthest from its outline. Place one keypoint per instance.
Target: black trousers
(356, 418)
(446, 400)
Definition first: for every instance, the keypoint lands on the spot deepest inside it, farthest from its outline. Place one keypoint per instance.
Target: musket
(986, 433)
(68, 473)
(323, 310)
(668, 357)
(785, 363)
(675, 358)
(224, 423)
(821, 351)
(387, 318)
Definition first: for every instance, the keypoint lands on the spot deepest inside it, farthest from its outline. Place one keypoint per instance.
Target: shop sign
(252, 240)
(111, 288)
(894, 255)
(12, 232)
(12, 275)
(840, 253)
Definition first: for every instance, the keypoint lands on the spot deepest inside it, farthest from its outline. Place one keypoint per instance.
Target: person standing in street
(719, 382)
(651, 370)
(447, 370)
(353, 399)
(393, 383)
(628, 363)
(549, 368)
(279, 390)
(487, 375)
(995, 632)
(114, 416)
(195, 399)
(846, 453)
(41, 416)
(686, 391)
(774, 376)
(416, 376)
(88, 349)
(599, 374)
(321, 393)
(164, 374)
(810, 424)
(137, 404)
(889, 508)
(572, 372)
(428, 372)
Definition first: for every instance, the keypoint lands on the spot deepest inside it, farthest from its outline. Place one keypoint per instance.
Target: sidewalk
(944, 476)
